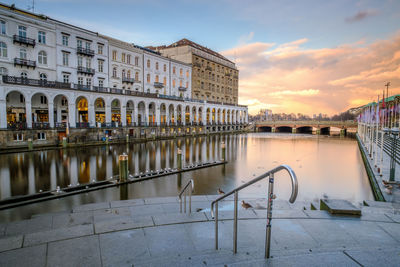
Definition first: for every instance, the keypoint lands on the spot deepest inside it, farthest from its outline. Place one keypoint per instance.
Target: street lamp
(394, 134)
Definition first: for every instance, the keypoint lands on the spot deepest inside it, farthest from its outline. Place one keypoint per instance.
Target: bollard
(123, 167)
(30, 144)
(223, 150)
(64, 142)
(179, 159)
(127, 138)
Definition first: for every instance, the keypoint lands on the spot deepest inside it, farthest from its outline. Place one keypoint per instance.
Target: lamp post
(394, 133)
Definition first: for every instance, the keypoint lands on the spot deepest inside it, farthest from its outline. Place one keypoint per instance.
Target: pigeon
(246, 205)
(221, 192)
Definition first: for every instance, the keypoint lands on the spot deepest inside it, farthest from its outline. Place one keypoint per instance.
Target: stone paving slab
(29, 226)
(30, 256)
(58, 234)
(92, 206)
(376, 257)
(228, 215)
(376, 210)
(282, 214)
(160, 200)
(82, 251)
(393, 229)
(339, 206)
(126, 203)
(123, 223)
(11, 242)
(148, 210)
(393, 217)
(72, 219)
(318, 214)
(123, 248)
(109, 214)
(172, 218)
(381, 204)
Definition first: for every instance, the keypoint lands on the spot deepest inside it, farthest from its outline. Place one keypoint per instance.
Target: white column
(167, 116)
(91, 115)
(71, 115)
(51, 113)
(135, 113)
(204, 116)
(59, 110)
(183, 116)
(28, 111)
(3, 114)
(158, 113)
(175, 114)
(123, 115)
(5, 185)
(146, 114)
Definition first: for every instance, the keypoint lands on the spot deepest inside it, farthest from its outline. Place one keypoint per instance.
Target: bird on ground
(388, 191)
(390, 187)
(385, 182)
(221, 192)
(246, 205)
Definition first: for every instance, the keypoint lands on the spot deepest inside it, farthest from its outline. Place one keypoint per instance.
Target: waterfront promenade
(152, 232)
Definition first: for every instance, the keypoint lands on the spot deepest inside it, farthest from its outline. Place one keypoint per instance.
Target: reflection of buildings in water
(5, 183)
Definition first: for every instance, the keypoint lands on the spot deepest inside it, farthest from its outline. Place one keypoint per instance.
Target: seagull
(246, 205)
(221, 192)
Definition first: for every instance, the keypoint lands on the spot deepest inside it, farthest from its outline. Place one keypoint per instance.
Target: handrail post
(216, 225)
(184, 199)
(235, 222)
(180, 205)
(190, 199)
(269, 215)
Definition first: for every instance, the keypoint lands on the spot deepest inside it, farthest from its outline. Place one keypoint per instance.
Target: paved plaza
(152, 232)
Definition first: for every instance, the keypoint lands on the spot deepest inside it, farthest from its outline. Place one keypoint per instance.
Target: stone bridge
(312, 127)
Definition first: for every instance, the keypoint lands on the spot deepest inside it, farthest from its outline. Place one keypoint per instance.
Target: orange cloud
(288, 78)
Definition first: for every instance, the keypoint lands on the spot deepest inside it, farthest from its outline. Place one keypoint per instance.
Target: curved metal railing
(183, 192)
(235, 191)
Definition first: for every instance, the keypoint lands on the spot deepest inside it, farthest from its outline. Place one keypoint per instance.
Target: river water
(325, 166)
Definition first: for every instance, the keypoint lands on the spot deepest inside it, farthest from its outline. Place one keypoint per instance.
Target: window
(3, 71)
(136, 76)
(156, 65)
(165, 81)
(187, 84)
(148, 63)
(136, 61)
(114, 73)
(22, 31)
(24, 75)
(21, 98)
(41, 136)
(41, 37)
(87, 45)
(22, 53)
(101, 65)
(79, 43)
(65, 59)
(3, 49)
(18, 137)
(88, 82)
(123, 57)
(156, 78)
(180, 83)
(66, 78)
(129, 74)
(88, 63)
(173, 83)
(187, 74)
(128, 59)
(3, 27)
(80, 80)
(123, 73)
(100, 49)
(165, 67)
(148, 78)
(43, 99)
(174, 70)
(80, 61)
(65, 40)
(101, 82)
(114, 55)
(43, 77)
(42, 58)
(180, 72)
(64, 102)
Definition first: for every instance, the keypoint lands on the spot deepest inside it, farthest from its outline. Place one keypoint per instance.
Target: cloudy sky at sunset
(293, 56)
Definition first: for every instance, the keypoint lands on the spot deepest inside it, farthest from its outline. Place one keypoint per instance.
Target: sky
(293, 56)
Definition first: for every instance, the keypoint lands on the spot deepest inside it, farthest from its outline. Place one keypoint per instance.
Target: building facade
(214, 77)
(56, 76)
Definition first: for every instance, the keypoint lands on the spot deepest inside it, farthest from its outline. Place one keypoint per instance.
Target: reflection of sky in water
(323, 165)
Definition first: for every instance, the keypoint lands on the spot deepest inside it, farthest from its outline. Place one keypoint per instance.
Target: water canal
(325, 165)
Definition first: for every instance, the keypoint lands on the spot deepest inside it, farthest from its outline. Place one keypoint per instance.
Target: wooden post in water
(223, 151)
(123, 167)
(30, 144)
(179, 158)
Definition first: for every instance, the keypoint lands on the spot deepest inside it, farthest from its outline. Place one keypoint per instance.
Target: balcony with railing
(128, 80)
(83, 87)
(85, 51)
(181, 88)
(24, 40)
(209, 68)
(16, 125)
(40, 125)
(158, 85)
(34, 82)
(24, 62)
(228, 74)
(84, 70)
(197, 64)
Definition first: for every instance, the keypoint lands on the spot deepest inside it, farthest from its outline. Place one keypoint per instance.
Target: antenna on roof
(32, 7)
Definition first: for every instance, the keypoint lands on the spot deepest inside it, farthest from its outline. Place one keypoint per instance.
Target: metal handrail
(235, 191)
(183, 191)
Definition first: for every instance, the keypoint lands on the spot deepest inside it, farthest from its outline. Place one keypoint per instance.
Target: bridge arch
(265, 129)
(304, 129)
(283, 129)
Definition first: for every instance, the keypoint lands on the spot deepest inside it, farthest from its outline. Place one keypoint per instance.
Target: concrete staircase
(152, 232)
